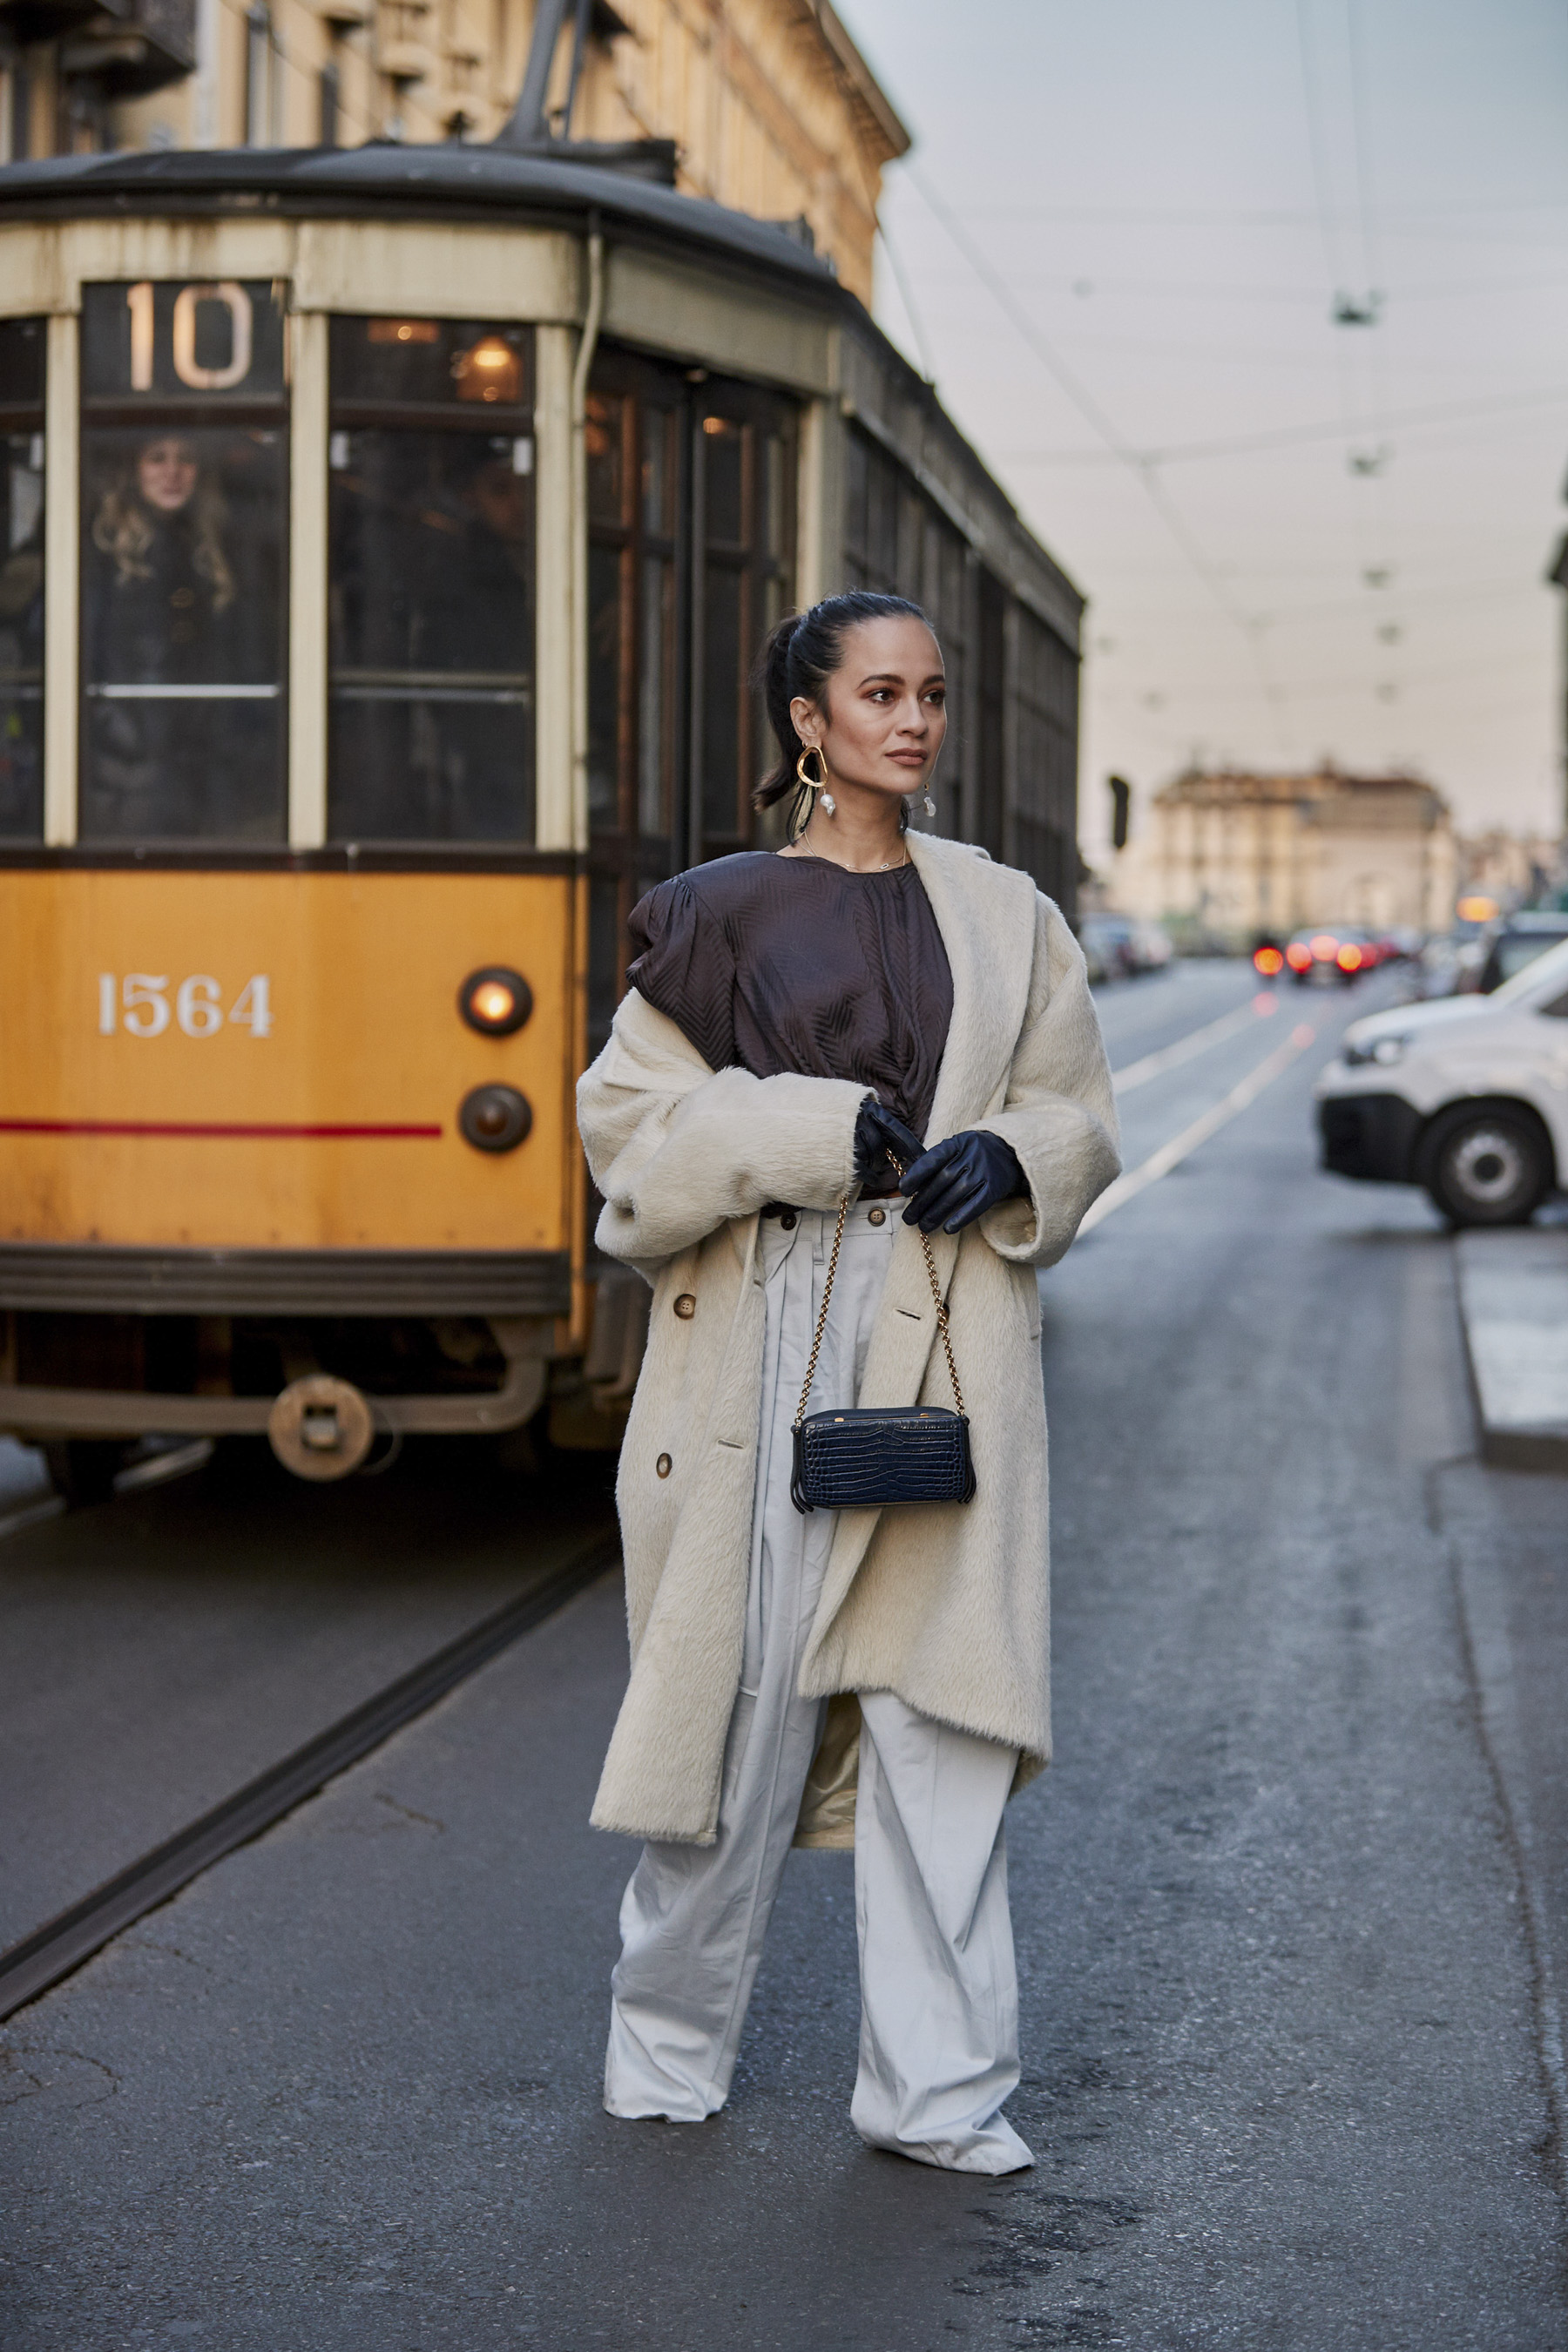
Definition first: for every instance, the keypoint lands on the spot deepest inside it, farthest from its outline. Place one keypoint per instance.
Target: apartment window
(185, 499)
(259, 55)
(431, 581)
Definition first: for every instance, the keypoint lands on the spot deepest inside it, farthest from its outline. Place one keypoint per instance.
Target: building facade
(765, 106)
(1233, 853)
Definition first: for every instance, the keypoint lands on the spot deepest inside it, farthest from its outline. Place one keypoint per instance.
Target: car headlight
(1383, 1050)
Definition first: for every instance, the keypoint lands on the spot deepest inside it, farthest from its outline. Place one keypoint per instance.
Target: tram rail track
(62, 1945)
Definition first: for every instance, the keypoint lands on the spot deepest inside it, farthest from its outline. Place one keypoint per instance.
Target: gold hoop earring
(817, 783)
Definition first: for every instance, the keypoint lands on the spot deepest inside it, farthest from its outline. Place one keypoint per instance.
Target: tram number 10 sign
(167, 340)
(142, 1004)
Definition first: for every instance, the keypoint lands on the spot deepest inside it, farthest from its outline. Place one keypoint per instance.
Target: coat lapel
(986, 914)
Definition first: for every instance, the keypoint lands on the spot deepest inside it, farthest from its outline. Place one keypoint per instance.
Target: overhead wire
(906, 296)
(1286, 436)
(1141, 466)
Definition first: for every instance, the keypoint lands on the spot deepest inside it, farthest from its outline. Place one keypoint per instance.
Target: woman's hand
(883, 1145)
(958, 1180)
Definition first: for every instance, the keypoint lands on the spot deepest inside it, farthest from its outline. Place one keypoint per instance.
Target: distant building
(1234, 854)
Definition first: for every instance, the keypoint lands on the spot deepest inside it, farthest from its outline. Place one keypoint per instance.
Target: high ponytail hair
(800, 654)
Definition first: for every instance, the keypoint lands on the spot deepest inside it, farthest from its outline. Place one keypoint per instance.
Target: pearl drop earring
(929, 805)
(826, 801)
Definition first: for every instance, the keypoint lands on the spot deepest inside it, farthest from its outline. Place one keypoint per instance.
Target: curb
(1513, 1302)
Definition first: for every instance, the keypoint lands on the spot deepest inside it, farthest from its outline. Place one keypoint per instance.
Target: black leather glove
(880, 1136)
(958, 1180)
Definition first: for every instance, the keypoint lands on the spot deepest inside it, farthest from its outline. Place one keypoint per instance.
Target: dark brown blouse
(775, 964)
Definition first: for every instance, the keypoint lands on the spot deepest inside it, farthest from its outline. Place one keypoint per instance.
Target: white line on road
(1170, 1057)
(1220, 1114)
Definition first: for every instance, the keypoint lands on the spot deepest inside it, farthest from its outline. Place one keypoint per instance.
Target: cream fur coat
(947, 1605)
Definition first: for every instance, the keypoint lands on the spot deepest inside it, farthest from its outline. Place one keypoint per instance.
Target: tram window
(431, 569)
(634, 461)
(183, 506)
(22, 579)
(745, 501)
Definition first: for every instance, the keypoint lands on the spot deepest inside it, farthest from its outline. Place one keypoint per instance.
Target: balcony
(122, 48)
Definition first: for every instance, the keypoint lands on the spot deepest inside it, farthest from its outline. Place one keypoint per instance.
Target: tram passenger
(797, 1023)
(165, 606)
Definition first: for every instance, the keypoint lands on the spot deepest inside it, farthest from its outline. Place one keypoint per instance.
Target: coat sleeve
(1060, 1110)
(678, 1149)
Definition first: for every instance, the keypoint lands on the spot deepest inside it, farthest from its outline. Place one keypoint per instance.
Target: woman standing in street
(799, 1025)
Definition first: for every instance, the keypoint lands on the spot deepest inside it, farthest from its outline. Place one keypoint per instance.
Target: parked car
(1512, 942)
(1338, 952)
(1116, 947)
(1466, 1095)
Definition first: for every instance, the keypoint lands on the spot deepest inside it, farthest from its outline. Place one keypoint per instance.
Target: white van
(1467, 1095)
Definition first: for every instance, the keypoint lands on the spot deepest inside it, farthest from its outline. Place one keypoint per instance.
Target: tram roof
(386, 178)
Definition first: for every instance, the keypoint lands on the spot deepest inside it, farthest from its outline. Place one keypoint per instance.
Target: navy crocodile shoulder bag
(872, 1458)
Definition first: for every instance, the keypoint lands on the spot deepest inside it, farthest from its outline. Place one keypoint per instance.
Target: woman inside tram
(855, 1097)
(165, 606)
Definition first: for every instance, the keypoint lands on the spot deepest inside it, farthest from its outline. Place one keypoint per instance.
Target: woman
(792, 1017)
(161, 610)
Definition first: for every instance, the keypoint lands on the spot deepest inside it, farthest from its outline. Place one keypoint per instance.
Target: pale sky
(1123, 231)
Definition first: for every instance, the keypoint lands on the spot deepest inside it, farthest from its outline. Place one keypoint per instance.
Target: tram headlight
(495, 1119)
(496, 1001)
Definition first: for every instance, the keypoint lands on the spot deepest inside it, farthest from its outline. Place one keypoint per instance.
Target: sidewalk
(1513, 1293)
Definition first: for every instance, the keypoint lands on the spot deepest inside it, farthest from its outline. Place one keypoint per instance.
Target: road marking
(1170, 1057)
(1220, 1114)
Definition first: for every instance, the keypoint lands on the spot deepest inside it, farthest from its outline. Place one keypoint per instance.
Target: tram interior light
(403, 331)
(496, 1001)
(489, 370)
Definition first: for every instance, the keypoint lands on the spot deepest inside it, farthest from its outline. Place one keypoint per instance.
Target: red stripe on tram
(212, 1128)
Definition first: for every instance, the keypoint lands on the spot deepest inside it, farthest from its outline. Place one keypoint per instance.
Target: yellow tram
(387, 534)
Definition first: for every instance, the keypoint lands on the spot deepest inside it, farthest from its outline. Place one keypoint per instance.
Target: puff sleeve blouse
(773, 964)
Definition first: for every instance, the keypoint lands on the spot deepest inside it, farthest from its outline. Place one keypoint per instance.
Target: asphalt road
(1285, 1904)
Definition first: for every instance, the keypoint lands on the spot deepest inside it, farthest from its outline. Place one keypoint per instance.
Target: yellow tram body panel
(221, 1060)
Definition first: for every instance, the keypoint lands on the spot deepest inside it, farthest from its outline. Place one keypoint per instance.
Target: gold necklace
(886, 866)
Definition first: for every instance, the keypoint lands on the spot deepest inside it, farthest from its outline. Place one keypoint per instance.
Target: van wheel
(84, 1468)
(1488, 1168)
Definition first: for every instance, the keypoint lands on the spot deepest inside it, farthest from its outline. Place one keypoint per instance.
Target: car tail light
(496, 1001)
(1349, 958)
(1268, 960)
(1325, 947)
(1298, 956)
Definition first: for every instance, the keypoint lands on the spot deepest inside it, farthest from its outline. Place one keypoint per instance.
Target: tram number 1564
(139, 1003)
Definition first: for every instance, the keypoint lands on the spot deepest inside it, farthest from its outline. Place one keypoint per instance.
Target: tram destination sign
(172, 342)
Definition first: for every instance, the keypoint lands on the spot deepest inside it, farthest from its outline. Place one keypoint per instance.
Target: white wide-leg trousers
(939, 2032)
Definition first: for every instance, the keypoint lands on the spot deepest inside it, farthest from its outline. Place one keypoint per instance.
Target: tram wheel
(84, 1468)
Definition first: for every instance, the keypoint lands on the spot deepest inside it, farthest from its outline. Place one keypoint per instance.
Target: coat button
(787, 1221)
(664, 1465)
(686, 1306)
(877, 1217)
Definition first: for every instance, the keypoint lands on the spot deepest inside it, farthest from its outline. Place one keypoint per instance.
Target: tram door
(691, 501)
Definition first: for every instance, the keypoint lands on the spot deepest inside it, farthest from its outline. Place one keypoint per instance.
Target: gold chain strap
(827, 1295)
